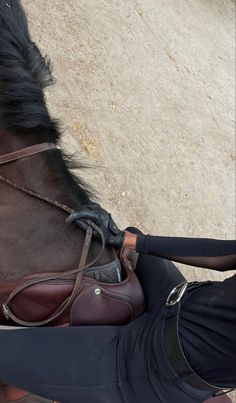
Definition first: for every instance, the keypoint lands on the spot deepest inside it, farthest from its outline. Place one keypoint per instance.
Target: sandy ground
(145, 93)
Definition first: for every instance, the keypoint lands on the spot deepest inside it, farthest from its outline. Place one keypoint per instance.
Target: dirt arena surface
(145, 93)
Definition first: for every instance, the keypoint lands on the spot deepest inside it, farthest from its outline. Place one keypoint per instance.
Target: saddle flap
(108, 304)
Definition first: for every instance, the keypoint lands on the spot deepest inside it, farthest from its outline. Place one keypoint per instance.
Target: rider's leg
(66, 364)
(157, 276)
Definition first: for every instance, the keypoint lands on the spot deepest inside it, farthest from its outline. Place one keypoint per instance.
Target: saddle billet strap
(27, 152)
(79, 271)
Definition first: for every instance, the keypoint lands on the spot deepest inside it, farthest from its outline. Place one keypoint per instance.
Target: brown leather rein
(27, 152)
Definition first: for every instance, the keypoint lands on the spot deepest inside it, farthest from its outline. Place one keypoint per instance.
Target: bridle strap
(27, 152)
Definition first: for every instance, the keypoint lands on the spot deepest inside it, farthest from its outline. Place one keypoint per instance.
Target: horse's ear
(219, 399)
(18, 42)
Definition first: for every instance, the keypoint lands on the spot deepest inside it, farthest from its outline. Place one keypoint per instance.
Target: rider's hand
(113, 236)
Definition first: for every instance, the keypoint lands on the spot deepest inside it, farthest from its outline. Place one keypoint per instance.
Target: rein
(26, 152)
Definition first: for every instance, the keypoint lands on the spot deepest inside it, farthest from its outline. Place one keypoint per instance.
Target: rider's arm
(208, 253)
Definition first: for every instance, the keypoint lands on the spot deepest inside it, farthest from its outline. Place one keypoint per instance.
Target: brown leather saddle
(94, 302)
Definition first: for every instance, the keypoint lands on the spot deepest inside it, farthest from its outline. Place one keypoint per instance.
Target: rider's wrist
(130, 240)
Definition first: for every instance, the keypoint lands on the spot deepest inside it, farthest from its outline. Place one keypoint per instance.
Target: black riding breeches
(102, 364)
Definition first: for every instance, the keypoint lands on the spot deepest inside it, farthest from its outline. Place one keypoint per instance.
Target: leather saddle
(95, 303)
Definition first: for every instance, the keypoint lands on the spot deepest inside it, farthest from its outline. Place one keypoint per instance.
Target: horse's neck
(34, 236)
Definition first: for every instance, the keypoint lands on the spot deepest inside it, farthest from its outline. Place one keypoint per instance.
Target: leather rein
(27, 152)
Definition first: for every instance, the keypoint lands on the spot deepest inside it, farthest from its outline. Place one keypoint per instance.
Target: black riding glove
(113, 236)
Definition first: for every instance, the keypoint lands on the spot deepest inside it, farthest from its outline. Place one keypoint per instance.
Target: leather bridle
(27, 152)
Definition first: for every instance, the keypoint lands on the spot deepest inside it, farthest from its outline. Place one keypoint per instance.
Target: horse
(34, 235)
(39, 180)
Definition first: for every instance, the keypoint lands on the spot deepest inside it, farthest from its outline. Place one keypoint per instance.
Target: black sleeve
(212, 254)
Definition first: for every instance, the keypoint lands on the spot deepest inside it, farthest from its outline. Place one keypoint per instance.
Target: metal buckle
(176, 294)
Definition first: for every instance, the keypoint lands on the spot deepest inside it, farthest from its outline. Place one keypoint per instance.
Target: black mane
(24, 73)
